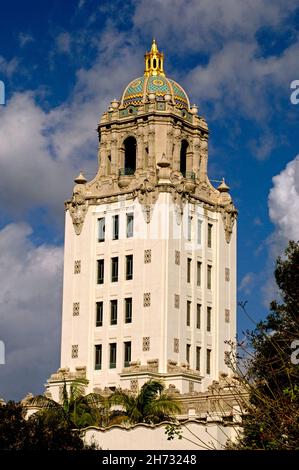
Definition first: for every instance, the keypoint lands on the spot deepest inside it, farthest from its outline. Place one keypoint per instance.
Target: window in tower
(113, 312)
(198, 316)
(189, 269)
(98, 357)
(188, 349)
(128, 310)
(154, 63)
(209, 276)
(199, 225)
(99, 314)
(114, 269)
(197, 359)
(209, 353)
(130, 156)
(129, 267)
(183, 157)
(108, 165)
(210, 226)
(112, 355)
(209, 318)
(100, 271)
(115, 227)
(189, 228)
(130, 225)
(188, 319)
(127, 353)
(198, 274)
(101, 228)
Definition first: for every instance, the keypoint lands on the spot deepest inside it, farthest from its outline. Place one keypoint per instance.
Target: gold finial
(154, 61)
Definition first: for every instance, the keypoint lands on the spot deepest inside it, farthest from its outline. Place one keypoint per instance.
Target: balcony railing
(126, 172)
(190, 175)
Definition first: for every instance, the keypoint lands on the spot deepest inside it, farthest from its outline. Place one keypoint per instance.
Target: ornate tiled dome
(154, 81)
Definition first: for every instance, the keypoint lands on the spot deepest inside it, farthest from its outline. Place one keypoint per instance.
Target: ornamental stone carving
(147, 195)
(78, 207)
(229, 214)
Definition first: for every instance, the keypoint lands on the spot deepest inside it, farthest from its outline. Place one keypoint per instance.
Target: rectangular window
(209, 353)
(209, 318)
(98, 357)
(189, 269)
(209, 276)
(127, 353)
(130, 225)
(113, 312)
(199, 225)
(197, 365)
(189, 228)
(210, 226)
(128, 310)
(188, 348)
(198, 315)
(100, 271)
(99, 314)
(188, 313)
(129, 267)
(112, 355)
(101, 229)
(115, 227)
(114, 269)
(198, 273)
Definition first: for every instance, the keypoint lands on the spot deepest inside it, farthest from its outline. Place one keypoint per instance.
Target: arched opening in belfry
(183, 157)
(130, 155)
(108, 164)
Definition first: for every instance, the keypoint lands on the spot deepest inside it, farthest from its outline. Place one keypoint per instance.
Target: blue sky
(62, 63)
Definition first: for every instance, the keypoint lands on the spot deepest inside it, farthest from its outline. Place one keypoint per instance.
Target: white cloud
(30, 303)
(25, 38)
(8, 67)
(284, 203)
(63, 42)
(246, 283)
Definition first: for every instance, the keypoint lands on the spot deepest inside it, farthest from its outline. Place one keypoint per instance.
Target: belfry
(150, 249)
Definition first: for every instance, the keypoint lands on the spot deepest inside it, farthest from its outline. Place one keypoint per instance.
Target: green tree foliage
(151, 405)
(271, 372)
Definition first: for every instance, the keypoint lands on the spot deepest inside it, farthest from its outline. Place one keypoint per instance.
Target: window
(130, 155)
(101, 228)
(130, 225)
(129, 267)
(189, 269)
(113, 312)
(199, 225)
(100, 271)
(114, 269)
(188, 313)
(189, 228)
(115, 227)
(98, 357)
(112, 355)
(198, 273)
(198, 315)
(209, 276)
(99, 314)
(188, 348)
(209, 353)
(210, 235)
(209, 318)
(127, 353)
(183, 157)
(197, 361)
(128, 310)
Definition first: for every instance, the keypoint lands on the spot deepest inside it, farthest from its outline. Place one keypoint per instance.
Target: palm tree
(151, 405)
(76, 409)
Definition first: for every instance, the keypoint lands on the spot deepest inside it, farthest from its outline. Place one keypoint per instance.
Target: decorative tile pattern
(176, 301)
(75, 351)
(77, 266)
(227, 315)
(147, 256)
(134, 385)
(177, 257)
(76, 309)
(176, 345)
(147, 299)
(227, 274)
(146, 343)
